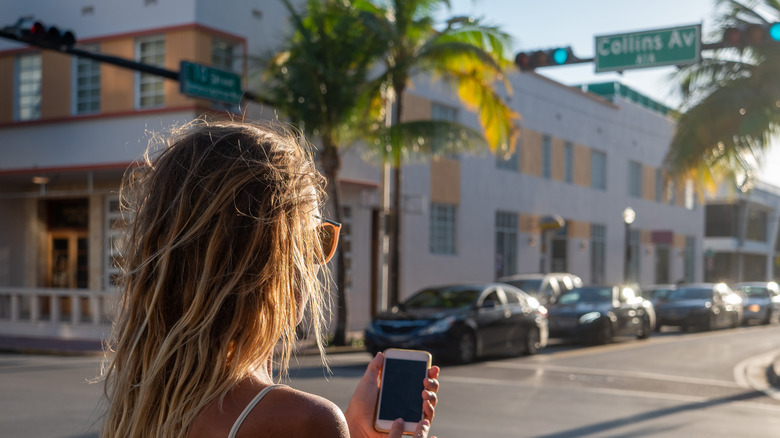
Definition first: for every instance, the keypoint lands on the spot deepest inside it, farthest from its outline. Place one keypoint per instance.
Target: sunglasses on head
(328, 232)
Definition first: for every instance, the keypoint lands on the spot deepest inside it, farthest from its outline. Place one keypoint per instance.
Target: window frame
(443, 226)
(36, 83)
(75, 102)
(146, 78)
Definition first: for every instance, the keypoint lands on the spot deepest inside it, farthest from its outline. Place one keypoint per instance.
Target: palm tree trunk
(331, 163)
(396, 211)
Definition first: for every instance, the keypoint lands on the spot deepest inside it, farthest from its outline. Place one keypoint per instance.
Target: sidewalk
(773, 373)
(84, 347)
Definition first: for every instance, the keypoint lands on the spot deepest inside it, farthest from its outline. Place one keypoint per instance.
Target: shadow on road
(605, 426)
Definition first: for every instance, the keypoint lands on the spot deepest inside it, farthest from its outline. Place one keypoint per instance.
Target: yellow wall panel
(117, 85)
(557, 159)
(56, 72)
(7, 88)
(578, 229)
(445, 180)
(678, 240)
(581, 165)
(529, 224)
(531, 153)
(183, 45)
(415, 108)
(648, 182)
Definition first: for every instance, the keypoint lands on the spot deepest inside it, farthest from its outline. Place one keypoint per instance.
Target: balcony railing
(60, 313)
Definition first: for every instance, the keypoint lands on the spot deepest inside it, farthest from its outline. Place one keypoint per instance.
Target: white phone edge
(397, 353)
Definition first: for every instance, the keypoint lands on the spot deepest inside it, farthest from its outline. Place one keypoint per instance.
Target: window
(659, 184)
(442, 232)
(446, 113)
(506, 243)
(115, 227)
(28, 86)
(756, 225)
(598, 239)
(568, 162)
(634, 179)
(150, 89)
(670, 192)
(511, 161)
(690, 195)
(721, 220)
(86, 88)
(223, 54)
(598, 170)
(689, 269)
(546, 157)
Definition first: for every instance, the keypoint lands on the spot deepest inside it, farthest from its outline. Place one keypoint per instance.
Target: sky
(540, 24)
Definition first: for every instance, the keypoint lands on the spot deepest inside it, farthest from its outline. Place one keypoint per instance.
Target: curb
(773, 372)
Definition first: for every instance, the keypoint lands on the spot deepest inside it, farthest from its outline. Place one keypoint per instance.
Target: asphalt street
(671, 385)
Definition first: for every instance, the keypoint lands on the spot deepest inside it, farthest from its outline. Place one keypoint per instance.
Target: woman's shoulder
(286, 411)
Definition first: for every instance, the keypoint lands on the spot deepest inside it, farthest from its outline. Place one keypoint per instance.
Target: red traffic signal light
(750, 35)
(39, 34)
(527, 61)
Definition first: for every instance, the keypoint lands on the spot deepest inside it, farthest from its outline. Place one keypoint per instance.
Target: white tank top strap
(248, 409)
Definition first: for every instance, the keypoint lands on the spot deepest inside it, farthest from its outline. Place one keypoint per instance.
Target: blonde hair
(219, 262)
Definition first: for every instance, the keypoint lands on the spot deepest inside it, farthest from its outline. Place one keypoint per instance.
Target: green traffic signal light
(774, 31)
(560, 56)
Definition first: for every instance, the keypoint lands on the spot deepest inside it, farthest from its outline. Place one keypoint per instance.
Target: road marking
(607, 391)
(617, 373)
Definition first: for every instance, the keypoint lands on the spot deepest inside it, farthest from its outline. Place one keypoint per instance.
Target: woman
(223, 257)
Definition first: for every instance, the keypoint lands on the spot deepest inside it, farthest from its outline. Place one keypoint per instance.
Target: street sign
(652, 48)
(204, 82)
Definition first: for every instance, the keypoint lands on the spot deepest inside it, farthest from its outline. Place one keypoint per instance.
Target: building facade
(71, 127)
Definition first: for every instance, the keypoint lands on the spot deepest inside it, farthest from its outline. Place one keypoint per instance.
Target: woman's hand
(360, 412)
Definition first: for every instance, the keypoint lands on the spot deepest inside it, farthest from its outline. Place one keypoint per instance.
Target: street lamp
(629, 215)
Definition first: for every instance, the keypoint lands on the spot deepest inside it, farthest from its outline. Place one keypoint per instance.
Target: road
(671, 385)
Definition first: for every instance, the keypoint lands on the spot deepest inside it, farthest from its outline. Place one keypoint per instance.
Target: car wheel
(467, 347)
(735, 320)
(604, 333)
(644, 329)
(711, 323)
(533, 341)
(768, 319)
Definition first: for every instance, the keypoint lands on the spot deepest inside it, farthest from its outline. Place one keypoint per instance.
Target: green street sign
(204, 82)
(652, 48)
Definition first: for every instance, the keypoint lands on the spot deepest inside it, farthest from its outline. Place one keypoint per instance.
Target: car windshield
(587, 295)
(442, 298)
(528, 286)
(755, 291)
(657, 294)
(691, 294)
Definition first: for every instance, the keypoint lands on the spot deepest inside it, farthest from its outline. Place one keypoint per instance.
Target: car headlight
(589, 317)
(439, 326)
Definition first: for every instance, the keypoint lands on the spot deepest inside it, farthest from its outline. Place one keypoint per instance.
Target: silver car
(760, 300)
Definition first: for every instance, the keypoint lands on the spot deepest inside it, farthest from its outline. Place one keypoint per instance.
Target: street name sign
(653, 48)
(204, 82)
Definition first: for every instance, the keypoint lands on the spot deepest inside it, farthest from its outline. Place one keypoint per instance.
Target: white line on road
(616, 373)
(608, 391)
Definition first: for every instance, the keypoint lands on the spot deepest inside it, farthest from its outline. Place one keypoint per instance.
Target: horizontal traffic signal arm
(531, 60)
(51, 38)
(747, 35)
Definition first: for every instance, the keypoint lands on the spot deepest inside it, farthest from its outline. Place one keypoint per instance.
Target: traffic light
(528, 61)
(38, 34)
(750, 35)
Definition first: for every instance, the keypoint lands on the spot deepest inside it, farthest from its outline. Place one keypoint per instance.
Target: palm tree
(466, 54)
(731, 105)
(319, 81)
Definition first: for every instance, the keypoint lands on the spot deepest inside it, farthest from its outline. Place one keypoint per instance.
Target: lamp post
(629, 215)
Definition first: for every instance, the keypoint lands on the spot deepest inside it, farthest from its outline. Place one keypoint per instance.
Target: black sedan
(596, 314)
(462, 322)
(706, 306)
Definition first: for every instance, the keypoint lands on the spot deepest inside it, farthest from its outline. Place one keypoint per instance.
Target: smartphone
(400, 389)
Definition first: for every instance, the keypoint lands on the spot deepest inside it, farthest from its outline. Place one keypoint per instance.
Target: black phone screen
(402, 389)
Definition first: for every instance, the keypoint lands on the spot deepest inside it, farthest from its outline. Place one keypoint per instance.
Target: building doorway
(67, 243)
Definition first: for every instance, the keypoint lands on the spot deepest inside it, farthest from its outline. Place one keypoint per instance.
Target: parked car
(545, 287)
(596, 314)
(462, 322)
(705, 305)
(760, 301)
(657, 293)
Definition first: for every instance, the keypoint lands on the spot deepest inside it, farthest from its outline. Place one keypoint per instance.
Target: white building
(70, 127)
